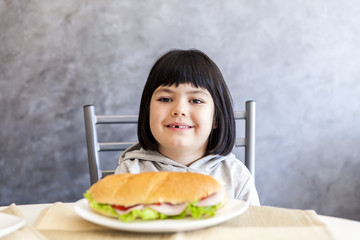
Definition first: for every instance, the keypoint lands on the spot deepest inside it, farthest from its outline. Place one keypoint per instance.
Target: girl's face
(181, 119)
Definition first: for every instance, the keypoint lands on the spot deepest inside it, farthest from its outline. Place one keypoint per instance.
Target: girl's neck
(182, 156)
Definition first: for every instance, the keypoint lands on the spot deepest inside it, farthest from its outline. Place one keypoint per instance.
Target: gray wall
(298, 59)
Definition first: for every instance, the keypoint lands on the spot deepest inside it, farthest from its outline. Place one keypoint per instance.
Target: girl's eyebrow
(160, 90)
(167, 90)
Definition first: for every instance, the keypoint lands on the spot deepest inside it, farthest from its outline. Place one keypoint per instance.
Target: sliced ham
(212, 200)
(169, 209)
(121, 212)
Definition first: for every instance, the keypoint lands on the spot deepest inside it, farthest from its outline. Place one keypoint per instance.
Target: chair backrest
(94, 146)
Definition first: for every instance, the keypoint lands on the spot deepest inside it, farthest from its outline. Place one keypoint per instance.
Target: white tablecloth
(340, 228)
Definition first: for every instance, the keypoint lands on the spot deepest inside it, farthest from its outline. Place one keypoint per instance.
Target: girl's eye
(196, 101)
(164, 99)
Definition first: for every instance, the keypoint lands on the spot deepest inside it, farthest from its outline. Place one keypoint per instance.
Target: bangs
(184, 68)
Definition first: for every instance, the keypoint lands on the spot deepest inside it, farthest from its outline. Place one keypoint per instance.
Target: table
(339, 227)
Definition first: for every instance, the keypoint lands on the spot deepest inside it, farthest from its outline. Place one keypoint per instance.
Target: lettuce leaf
(144, 214)
(105, 208)
(199, 212)
(150, 214)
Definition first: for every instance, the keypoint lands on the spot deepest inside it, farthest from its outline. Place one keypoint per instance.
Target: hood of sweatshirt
(207, 163)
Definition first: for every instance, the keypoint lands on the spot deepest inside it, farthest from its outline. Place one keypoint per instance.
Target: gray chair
(94, 146)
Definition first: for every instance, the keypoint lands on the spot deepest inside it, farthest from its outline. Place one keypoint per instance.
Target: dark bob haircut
(196, 68)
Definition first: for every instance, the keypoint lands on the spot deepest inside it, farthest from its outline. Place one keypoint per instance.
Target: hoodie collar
(207, 163)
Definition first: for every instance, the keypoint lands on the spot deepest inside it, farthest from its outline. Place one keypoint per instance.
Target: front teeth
(178, 126)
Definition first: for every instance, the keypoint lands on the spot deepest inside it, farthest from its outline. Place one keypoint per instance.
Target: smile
(179, 126)
(172, 126)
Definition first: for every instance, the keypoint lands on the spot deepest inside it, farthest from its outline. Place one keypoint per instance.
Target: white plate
(231, 209)
(10, 223)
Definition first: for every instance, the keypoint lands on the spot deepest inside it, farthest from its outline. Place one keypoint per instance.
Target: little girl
(186, 124)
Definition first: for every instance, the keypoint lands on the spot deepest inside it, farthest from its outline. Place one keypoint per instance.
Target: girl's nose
(176, 113)
(179, 110)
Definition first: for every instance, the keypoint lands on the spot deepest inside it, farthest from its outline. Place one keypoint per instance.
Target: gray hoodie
(229, 171)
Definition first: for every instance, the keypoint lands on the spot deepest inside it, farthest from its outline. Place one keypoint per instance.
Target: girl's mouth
(172, 126)
(178, 126)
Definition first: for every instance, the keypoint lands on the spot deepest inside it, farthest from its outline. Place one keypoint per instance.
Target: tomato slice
(121, 207)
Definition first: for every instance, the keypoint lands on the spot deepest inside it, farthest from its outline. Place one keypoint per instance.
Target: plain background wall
(298, 59)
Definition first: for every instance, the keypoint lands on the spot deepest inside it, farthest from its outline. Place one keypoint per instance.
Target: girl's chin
(182, 145)
(180, 148)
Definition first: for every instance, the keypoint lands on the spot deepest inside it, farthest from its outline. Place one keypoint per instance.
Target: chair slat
(240, 115)
(240, 142)
(104, 173)
(115, 146)
(113, 119)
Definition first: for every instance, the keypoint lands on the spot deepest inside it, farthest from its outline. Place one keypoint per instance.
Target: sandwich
(156, 195)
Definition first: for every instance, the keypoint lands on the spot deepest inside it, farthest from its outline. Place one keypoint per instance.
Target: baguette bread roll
(153, 187)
